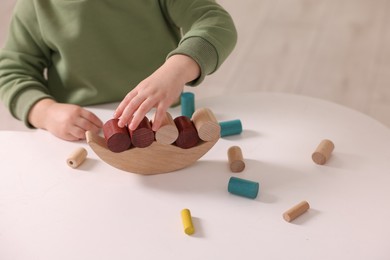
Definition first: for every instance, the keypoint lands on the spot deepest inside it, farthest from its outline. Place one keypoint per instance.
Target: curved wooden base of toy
(154, 159)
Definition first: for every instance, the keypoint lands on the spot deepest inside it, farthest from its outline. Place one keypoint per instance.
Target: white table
(51, 211)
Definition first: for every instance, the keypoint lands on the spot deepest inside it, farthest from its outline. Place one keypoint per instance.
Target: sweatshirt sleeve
(209, 34)
(22, 63)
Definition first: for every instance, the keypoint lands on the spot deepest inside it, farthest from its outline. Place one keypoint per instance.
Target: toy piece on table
(117, 138)
(244, 188)
(296, 211)
(236, 160)
(187, 100)
(206, 124)
(322, 154)
(143, 135)
(187, 222)
(232, 127)
(167, 133)
(188, 136)
(154, 159)
(77, 157)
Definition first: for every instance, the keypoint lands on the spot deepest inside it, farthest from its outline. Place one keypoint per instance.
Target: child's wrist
(37, 115)
(187, 68)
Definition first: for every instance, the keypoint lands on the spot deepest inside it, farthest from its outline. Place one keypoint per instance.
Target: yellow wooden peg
(187, 222)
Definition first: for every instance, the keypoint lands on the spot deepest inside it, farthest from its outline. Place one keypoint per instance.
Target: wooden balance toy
(161, 157)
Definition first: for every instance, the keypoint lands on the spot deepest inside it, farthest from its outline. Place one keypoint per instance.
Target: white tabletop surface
(51, 211)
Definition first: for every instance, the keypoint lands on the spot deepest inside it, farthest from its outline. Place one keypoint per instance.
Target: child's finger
(91, 117)
(124, 103)
(158, 117)
(140, 113)
(128, 113)
(77, 132)
(86, 125)
(67, 136)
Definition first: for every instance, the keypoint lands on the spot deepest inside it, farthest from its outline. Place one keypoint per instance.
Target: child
(61, 55)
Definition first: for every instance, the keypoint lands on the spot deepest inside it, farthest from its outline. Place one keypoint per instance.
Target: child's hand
(66, 121)
(160, 91)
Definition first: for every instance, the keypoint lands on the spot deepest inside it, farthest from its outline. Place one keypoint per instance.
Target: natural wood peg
(143, 135)
(322, 153)
(167, 133)
(117, 138)
(77, 157)
(296, 211)
(206, 124)
(188, 136)
(236, 160)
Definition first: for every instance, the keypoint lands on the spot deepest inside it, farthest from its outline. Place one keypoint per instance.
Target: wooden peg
(322, 153)
(187, 100)
(244, 188)
(296, 211)
(167, 133)
(206, 124)
(236, 160)
(77, 157)
(117, 138)
(231, 127)
(143, 135)
(188, 136)
(187, 222)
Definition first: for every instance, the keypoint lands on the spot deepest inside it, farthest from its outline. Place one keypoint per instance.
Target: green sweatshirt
(88, 52)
